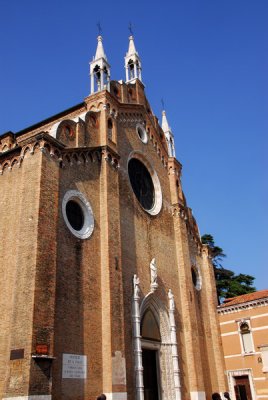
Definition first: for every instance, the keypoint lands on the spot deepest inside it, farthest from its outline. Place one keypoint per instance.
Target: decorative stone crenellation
(130, 120)
(64, 156)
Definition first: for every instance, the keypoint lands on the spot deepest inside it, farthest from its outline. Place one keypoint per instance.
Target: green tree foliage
(228, 284)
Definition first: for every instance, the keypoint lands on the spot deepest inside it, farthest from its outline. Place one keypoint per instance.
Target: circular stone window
(78, 214)
(196, 278)
(145, 184)
(142, 133)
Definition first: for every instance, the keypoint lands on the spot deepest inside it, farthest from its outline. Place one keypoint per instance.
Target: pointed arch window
(131, 69)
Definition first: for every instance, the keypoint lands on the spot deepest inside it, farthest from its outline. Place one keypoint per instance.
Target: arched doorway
(155, 343)
(151, 342)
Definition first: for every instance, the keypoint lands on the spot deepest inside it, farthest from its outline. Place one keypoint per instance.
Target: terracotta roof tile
(245, 298)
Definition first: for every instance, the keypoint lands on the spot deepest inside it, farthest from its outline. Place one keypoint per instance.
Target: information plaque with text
(74, 366)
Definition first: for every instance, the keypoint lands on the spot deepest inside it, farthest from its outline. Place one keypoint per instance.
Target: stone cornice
(56, 150)
(242, 306)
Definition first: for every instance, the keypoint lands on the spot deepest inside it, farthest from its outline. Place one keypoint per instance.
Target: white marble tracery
(136, 322)
(173, 337)
(169, 373)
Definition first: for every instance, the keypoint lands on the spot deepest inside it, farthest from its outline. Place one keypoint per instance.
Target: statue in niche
(136, 282)
(171, 300)
(153, 270)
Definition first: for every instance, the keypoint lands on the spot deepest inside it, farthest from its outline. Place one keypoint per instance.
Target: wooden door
(242, 388)
(149, 362)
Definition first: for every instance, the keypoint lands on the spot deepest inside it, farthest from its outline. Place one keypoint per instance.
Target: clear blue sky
(207, 58)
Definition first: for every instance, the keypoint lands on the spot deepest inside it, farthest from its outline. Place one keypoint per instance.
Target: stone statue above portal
(136, 288)
(153, 271)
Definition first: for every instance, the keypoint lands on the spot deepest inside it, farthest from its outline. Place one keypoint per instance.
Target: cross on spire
(163, 104)
(99, 28)
(99, 67)
(132, 59)
(130, 28)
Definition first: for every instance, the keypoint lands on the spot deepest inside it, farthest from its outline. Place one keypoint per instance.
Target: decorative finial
(163, 104)
(99, 28)
(130, 28)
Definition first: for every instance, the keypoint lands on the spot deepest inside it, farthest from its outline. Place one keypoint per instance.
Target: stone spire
(168, 134)
(100, 50)
(132, 62)
(99, 69)
(131, 47)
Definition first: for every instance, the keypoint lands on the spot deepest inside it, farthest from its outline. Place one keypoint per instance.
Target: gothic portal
(105, 285)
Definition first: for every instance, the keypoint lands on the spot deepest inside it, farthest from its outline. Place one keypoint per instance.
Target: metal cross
(163, 104)
(99, 28)
(130, 29)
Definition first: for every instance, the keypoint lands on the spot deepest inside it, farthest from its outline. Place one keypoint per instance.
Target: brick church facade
(105, 285)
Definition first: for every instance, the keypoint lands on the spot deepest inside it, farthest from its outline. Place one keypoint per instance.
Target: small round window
(142, 133)
(77, 214)
(196, 278)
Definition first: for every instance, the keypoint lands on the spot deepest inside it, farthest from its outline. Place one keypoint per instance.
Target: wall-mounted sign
(74, 366)
(41, 349)
(16, 354)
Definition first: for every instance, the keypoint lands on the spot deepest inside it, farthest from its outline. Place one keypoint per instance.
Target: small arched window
(246, 338)
(110, 129)
(131, 69)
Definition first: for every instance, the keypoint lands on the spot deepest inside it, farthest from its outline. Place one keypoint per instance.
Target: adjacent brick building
(105, 284)
(244, 332)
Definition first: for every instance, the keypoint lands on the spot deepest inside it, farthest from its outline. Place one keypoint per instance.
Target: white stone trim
(157, 187)
(116, 396)
(228, 322)
(259, 328)
(136, 321)
(259, 316)
(231, 374)
(229, 333)
(81, 116)
(54, 128)
(263, 396)
(248, 322)
(262, 378)
(168, 371)
(198, 395)
(88, 225)
(35, 397)
(144, 136)
(243, 306)
(233, 355)
(174, 349)
(252, 317)
(254, 353)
